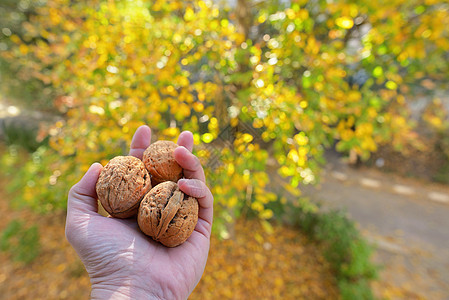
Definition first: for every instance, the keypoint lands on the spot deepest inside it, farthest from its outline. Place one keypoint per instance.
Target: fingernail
(95, 164)
(191, 183)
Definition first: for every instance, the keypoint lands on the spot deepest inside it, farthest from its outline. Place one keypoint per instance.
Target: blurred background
(322, 125)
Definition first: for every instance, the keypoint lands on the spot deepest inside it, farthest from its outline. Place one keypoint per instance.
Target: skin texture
(121, 261)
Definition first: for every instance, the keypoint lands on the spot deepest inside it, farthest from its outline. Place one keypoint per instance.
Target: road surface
(407, 220)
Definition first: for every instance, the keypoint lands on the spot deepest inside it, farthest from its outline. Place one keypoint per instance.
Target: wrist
(101, 291)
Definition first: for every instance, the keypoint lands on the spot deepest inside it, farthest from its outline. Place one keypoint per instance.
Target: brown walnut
(167, 214)
(122, 184)
(160, 162)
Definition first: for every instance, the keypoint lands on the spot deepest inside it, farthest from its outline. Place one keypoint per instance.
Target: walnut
(160, 162)
(167, 214)
(122, 184)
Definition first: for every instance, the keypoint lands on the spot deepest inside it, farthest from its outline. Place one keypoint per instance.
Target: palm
(115, 251)
(130, 251)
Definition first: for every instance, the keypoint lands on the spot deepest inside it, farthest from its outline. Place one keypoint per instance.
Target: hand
(121, 261)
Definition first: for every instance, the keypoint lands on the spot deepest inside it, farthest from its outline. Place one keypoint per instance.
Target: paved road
(407, 219)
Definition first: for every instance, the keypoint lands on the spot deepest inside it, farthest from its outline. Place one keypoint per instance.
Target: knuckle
(72, 191)
(75, 191)
(194, 158)
(196, 188)
(197, 163)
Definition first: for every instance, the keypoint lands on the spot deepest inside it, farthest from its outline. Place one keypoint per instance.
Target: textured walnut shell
(167, 214)
(122, 184)
(160, 162)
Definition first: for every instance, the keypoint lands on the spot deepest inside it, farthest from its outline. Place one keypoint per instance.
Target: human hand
(121, 261)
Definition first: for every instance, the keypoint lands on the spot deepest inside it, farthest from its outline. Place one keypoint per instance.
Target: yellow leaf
(267, 227)
(286, 171)
(266, 214)
(96, 110)
(207, 138)
(293, 155)
(189, 14)
(23, 49)
(257, 123)
(196, 138)
(262, 18)
(257, 206)
(15, 38)
(247, 138)
(230, 169)
(301, 139)
(171, 131)
(344, 22)
(391, 85)
(232, 201)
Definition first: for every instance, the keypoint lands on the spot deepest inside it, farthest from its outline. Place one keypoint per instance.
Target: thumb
(82, 196)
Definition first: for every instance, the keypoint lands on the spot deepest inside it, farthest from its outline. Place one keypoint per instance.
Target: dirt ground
(430, 164)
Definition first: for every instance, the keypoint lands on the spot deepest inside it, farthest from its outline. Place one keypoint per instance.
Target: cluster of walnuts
(128, 186)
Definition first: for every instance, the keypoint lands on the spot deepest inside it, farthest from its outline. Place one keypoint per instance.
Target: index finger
(186, 139)
(140, 142)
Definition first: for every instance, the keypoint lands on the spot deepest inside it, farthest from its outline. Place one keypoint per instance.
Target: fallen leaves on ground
(258, 265)
(254, 264)
(56, 273)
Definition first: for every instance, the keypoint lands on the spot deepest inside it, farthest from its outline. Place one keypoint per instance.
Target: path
(20, 125)
(407, 219)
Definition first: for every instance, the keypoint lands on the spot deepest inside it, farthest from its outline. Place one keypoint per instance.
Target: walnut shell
(167, 214)
(122, 184)
(160, 162)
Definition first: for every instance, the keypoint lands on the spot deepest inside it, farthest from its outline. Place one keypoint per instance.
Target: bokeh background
(322, 126)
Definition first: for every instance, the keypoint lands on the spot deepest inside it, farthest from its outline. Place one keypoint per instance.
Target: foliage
(355, 290)
(436, 119)
(297, 78)
(128, 77)
(24, 175)
(347, 252)
(23, 88)
(21, 242)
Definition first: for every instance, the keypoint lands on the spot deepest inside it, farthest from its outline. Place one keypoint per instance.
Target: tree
(16, 84)
(284, 83)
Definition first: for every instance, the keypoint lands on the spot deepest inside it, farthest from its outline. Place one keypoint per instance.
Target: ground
(255, 264)
(405, 218)
(430, 165)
